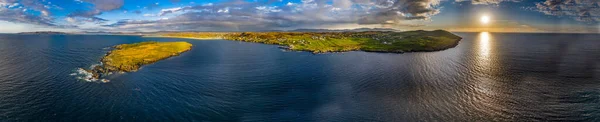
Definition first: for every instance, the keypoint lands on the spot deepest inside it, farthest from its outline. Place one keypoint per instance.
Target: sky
(537, 16)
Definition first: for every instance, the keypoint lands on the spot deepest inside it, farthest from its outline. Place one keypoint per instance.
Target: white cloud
(71, 20)
(169, 10)
(13, 5)
(45, 13)
(208, 4)
(290, 4)
(149, 15)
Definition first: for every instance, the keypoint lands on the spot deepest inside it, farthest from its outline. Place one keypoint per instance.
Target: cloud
(34, 5)
(106, 5)
(19, 11)
(245, 16)
(580, 10)
(170, 10)
(316, 12)
(342, 3)
(129, 21)
(26, 5)
(87, 16)
(390, 12)
(241, 15)
(488, 2)
(70, 20)
(18, 15)
(100, 6)
(7, 2)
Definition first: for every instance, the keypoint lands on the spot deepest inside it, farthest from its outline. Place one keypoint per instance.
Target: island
(130, 57)
(323, 42)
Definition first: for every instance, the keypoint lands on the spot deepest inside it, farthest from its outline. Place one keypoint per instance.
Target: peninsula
(130, 57)
(323, 42)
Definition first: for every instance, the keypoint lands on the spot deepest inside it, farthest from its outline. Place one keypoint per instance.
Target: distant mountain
(44, 33)
(97, 33)
(373, 29)
(110, 33)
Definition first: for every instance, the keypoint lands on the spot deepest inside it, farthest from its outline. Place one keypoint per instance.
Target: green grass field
(322, 42)
(130, 57)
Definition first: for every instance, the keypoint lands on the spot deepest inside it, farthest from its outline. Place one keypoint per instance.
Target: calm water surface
(487, 77)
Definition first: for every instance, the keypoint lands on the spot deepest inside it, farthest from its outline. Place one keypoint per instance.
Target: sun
(485, 19)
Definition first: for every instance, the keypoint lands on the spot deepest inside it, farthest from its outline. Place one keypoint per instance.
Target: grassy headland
(130, 57)
(322, 42)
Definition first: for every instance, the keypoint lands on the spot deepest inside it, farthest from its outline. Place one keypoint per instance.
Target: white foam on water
(94, 65)
(83, 75)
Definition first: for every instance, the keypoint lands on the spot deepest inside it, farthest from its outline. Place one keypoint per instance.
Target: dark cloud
(106, 5)
(88, 16)
(100, 6)
(390, 12)
(581, 10)
(487, 2)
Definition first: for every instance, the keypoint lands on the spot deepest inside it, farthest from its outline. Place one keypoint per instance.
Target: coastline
(411, 41)
(414, 51)
(158, 36)
(288, 48)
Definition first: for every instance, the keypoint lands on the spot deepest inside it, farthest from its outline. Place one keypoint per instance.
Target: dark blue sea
(487, 77)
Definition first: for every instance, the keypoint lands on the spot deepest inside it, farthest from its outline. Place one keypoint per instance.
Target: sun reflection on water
(484, 44)
(487, 93)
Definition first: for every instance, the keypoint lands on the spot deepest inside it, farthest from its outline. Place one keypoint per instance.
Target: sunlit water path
(488, 76)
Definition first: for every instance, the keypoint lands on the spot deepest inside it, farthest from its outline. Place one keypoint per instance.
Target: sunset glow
(485, 19)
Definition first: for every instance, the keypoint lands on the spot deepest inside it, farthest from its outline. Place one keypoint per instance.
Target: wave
(83, 75)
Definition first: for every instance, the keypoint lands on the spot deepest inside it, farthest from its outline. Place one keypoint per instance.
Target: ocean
(487, 77)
